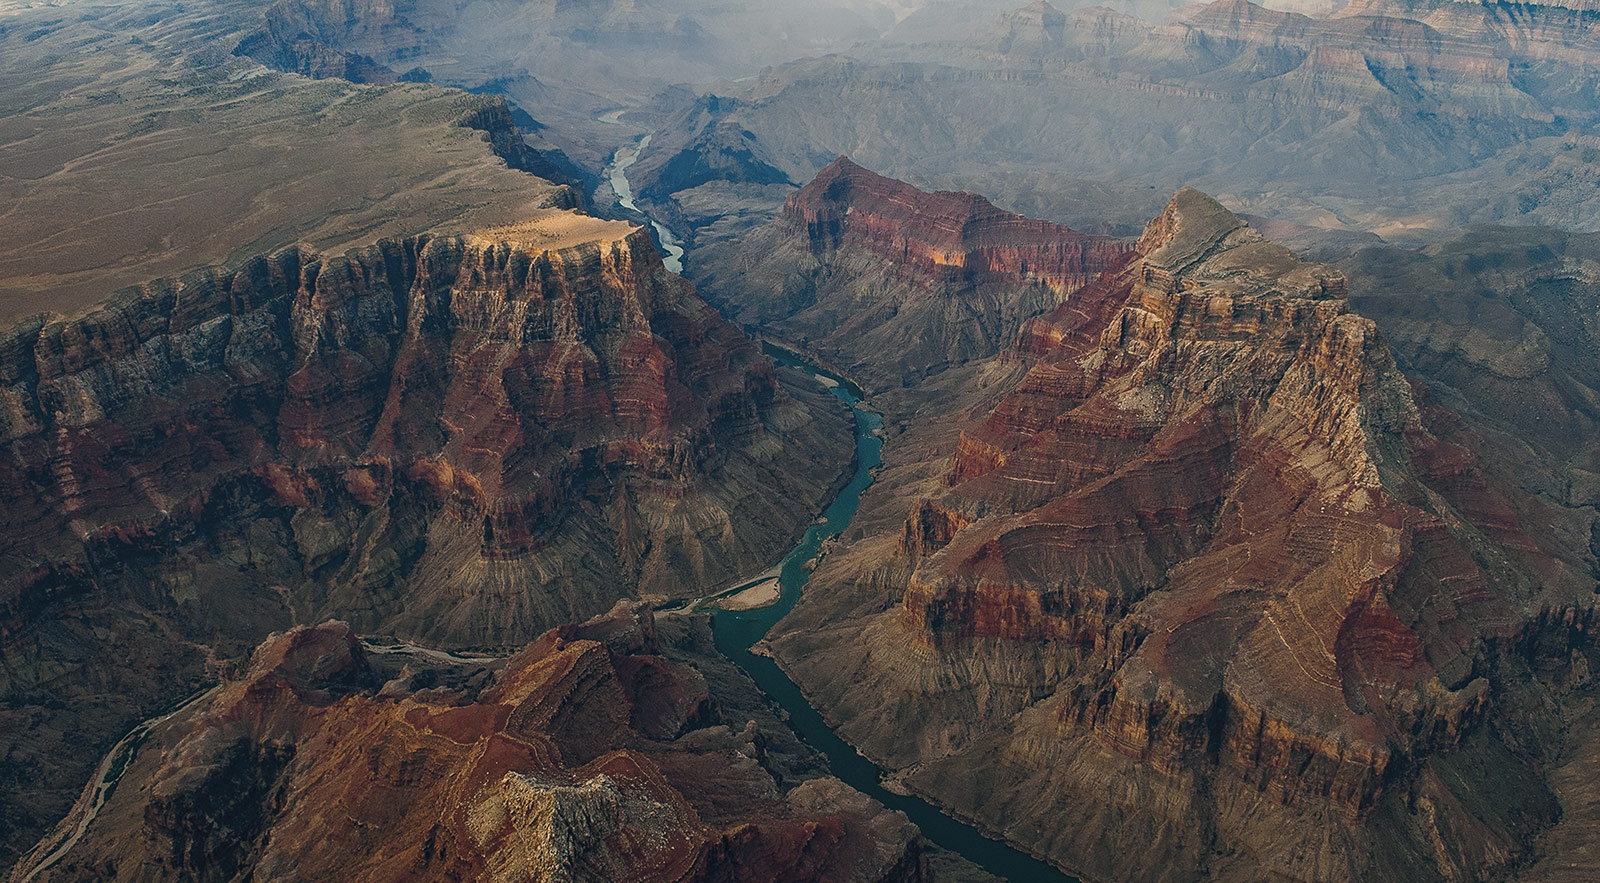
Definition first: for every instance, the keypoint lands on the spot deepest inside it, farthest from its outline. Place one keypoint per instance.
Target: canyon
(364, 463)
(1407, 121)
(391, 371)
(1199, 579)
(465, 440)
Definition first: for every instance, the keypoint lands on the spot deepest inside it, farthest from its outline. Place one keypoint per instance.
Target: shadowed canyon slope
(892, 283)
(585, 756)
(1206, 594)
(1503, 324)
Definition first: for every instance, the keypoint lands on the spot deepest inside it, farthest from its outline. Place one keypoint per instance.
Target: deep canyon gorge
(583, 440)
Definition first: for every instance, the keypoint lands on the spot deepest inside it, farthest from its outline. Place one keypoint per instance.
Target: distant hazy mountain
(1402, 126)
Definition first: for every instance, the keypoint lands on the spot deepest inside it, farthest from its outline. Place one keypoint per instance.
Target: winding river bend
(736, 631)
(617, 175)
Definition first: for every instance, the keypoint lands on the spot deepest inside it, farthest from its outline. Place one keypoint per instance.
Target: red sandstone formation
(464, 439)
(1208, 575)
(587, 757)
(893, 283)
(951, 237)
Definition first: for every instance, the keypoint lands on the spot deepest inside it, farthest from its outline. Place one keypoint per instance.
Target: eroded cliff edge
(1205, 592)
(461, 439)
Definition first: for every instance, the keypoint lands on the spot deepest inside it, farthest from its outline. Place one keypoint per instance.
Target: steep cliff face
(463, 439)
(1208, 580)
(893, 282)
(586, 756)
(1502, 325)
(436, 412)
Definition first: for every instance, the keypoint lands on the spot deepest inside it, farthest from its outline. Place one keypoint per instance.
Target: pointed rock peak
(311, 657)
(1192, 225)
(1031, 20)
(1239, 7)
(1235, 12)
(840, 185)
(844, 165)
(841, 169)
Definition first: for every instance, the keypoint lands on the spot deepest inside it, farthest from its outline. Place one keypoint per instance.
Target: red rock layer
(946, 236)
(1214, 479)
(587, 758)
(459, 439)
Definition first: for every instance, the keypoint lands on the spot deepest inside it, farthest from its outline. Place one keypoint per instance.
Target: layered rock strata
(1407, 119)
(1502, 325)
(463, 439)
(585, 756)
(1208, 580)
(894, 283)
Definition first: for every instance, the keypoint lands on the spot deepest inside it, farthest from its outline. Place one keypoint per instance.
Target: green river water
(737, 631)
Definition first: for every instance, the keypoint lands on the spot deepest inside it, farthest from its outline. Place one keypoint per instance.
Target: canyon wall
(460, 439)
(893, 283)
(1208, 595)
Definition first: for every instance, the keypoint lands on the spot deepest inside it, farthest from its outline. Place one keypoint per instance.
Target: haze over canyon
(883, 441)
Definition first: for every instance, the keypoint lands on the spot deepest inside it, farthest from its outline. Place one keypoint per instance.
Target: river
(736, 631)
(617, 174)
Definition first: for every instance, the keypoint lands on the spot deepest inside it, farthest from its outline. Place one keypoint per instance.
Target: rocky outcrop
(550, 766)
(715, 152)
(947, 237)
(494, 118)
(1208, 579)
(894, 283)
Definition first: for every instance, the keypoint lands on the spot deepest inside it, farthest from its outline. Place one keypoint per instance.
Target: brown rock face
(586, 756)
(952, 237)
(464, 439)
(1207, 580)
(1502, 326)
(453, 409)
(895, 283)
